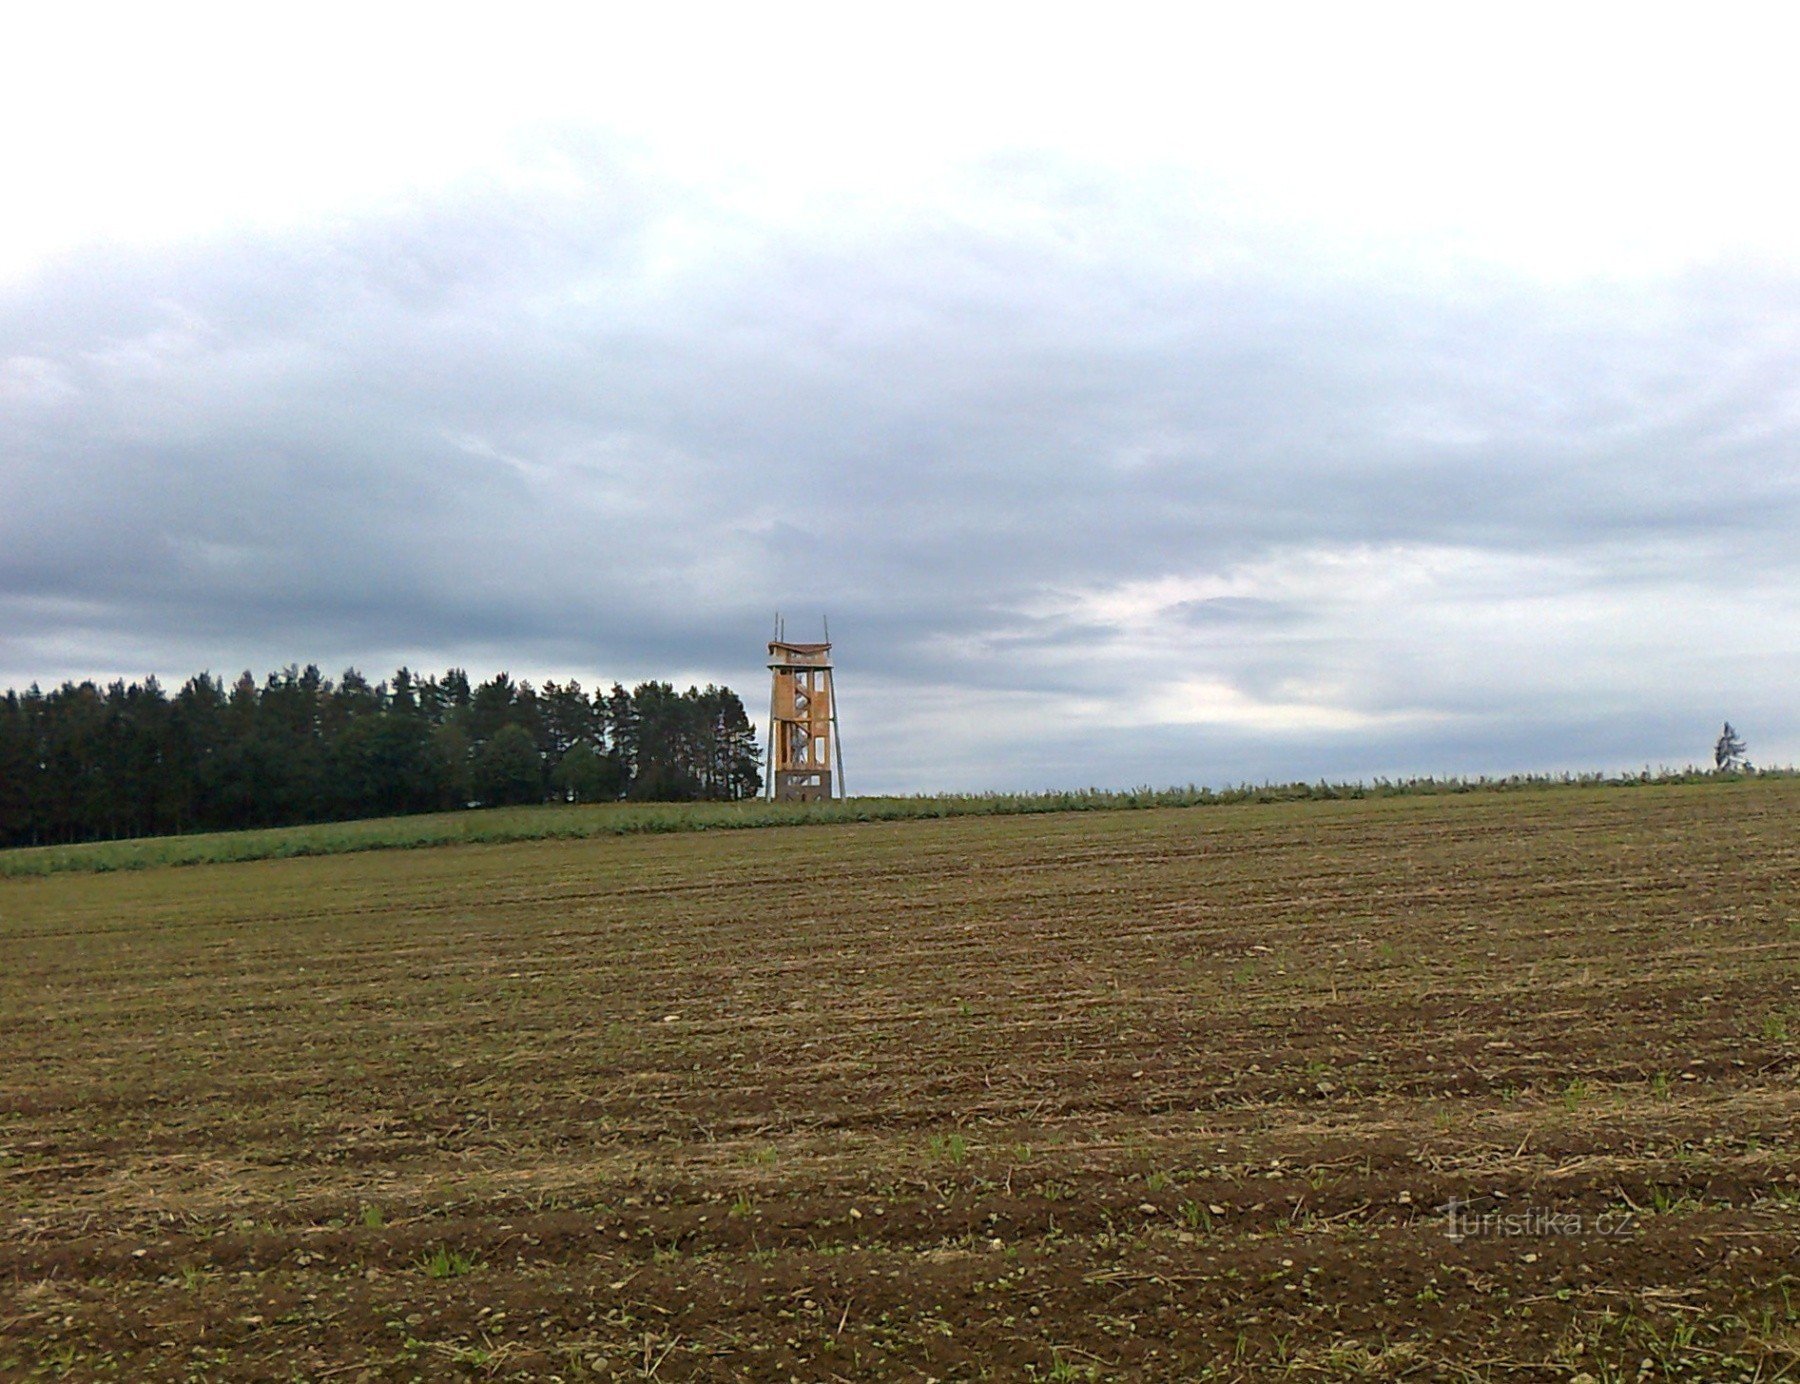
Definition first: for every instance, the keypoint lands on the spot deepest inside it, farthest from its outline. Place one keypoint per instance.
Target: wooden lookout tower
(803, 729)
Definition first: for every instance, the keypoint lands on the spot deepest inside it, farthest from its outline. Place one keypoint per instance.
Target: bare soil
(1151, 1095)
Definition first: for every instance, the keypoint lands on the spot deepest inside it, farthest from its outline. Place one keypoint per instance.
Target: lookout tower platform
(802, 723)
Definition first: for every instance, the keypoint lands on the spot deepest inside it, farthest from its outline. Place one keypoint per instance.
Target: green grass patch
(583, 821)
(446, 1263)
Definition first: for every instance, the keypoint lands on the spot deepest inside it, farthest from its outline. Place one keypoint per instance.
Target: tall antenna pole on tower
(837, 736)
(769, 735)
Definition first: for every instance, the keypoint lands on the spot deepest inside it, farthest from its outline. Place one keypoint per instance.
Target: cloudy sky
(1155, 394)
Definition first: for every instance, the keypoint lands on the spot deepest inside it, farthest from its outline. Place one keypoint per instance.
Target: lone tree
(1728, 754)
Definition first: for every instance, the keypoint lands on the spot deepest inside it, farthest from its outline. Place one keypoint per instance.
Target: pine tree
(82, 762)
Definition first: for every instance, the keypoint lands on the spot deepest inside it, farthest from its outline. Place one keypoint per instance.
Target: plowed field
(1151, 1095)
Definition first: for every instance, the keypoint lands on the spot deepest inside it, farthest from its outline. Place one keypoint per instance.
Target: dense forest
(82, 763)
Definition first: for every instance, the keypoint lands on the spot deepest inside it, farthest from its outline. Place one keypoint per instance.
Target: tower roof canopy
(785, 652)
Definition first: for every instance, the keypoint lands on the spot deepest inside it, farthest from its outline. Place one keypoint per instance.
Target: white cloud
(1373, 637)
(34, 382)
(1408, 138)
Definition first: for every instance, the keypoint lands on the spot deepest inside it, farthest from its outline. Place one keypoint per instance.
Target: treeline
(82, 763)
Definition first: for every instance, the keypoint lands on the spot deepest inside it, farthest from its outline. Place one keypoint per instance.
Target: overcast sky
(1146, 394)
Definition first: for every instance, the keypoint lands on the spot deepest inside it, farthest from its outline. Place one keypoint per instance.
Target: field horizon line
(577, 821)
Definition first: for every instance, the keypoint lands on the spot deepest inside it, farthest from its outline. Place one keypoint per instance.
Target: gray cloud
(608, 431)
